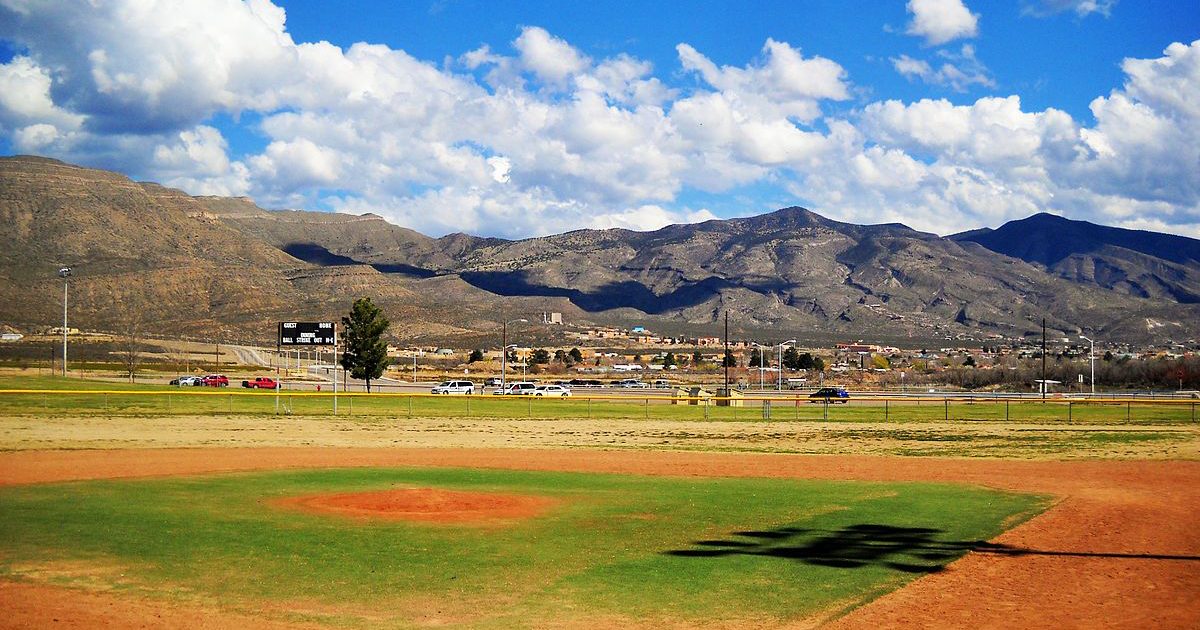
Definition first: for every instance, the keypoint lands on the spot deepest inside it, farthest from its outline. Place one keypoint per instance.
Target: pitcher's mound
(423, 504)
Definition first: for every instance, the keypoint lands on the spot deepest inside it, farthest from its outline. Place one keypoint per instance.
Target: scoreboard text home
(306, 334)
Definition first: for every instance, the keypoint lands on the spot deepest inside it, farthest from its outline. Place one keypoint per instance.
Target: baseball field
(173, 518)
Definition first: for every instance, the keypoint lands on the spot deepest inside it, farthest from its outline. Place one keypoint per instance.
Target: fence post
(1069, 405)
(647, 407)
(529, 406)
(589, 401)
(826, 409)
(946, 402)
(1127, 412)
(885, 410)
(410, 405)
(1006, 411)
(468, 405)
(231, 403)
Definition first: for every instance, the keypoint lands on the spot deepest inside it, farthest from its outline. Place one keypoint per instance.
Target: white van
(454, 387)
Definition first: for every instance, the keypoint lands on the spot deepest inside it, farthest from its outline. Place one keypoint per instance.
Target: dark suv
(830, 394)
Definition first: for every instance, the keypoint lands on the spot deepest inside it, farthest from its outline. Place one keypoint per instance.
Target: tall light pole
(1092, 360)
(64, 273)
(504, 351)
(779, 381)
(761, 358)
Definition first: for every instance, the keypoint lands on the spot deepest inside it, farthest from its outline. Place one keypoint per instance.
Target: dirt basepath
(1121, 548)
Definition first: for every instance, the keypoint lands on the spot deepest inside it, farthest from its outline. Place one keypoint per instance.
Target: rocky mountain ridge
(203, 263)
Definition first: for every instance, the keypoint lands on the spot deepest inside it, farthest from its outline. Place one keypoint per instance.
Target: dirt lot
(1121, 548)
(952, 439)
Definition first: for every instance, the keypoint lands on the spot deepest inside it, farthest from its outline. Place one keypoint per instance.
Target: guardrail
(198, 401)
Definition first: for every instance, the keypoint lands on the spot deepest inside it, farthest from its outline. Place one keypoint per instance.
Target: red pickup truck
(261, 382)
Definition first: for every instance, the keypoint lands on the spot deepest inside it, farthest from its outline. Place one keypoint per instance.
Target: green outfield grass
(167, 400)
(691, 550)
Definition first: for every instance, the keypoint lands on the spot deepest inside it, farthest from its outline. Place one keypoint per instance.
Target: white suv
(517, 389)
(454, 387)
(552, 390)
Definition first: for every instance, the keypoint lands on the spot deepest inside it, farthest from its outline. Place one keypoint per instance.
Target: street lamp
(504, 351)
(761, 358)
(779, 381)
(1092, 360)
(64, 273)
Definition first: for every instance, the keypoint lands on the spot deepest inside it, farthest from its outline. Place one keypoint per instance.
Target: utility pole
(504, 351)
(1043, 359)
(725, 359)
(1092, 360)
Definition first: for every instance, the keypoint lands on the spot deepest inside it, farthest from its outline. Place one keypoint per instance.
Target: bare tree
(130, 323)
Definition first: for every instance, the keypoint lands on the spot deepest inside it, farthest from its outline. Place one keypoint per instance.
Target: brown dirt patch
(1121, 548)
(429, 505)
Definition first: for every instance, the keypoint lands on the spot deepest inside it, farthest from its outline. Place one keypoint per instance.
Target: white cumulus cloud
(941, 21)
(547, 56)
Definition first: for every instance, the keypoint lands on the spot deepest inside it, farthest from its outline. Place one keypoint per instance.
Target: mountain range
(224, 266)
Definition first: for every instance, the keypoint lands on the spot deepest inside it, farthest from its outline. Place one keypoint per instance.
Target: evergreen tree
(805, 361)
(730, 360)
(818, 364)
(560, 356)
(576, 355)
(365, 356)
(697, 358)
(669, 360)
(541, 355)
(756, 359)
(791, 358)
(476, 355)
(970, 362)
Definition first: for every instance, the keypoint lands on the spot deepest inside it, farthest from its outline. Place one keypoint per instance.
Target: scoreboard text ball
(306, 333)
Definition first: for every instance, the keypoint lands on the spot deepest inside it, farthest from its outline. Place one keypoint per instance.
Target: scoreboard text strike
(306, 333)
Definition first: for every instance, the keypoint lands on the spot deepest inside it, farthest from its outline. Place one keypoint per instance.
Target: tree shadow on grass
(906, 549)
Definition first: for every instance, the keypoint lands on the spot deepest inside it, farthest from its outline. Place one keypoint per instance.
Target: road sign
(306, 334)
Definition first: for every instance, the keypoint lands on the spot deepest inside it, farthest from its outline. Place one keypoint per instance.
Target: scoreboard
(306, 334)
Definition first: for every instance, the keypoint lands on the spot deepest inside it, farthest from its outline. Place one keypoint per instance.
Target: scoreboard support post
(335, 367)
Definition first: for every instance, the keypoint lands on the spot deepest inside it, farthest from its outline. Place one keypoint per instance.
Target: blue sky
(525, 118)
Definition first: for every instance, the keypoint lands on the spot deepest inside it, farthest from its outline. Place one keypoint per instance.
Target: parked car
(631, 383)
(493, 382)
(585, 382)
(215, 380)
(551, 390)
(454, 387)
(522, 388)
(662, 383)
(187, 381)
(261, 382)
(830, 394)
